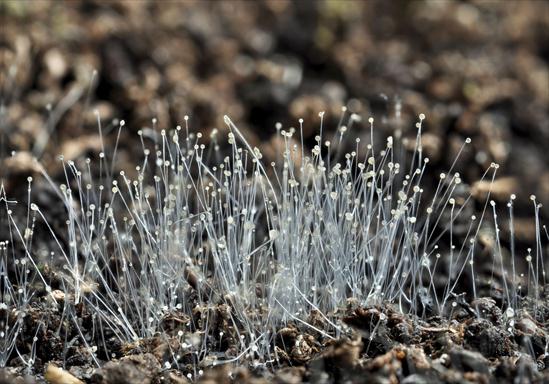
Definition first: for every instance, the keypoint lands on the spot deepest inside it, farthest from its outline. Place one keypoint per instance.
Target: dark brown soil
(477, 69)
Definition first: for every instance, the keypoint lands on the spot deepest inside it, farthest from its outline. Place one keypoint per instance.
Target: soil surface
(477, 69)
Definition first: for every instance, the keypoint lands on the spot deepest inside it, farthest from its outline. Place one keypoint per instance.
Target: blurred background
(476, 69)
